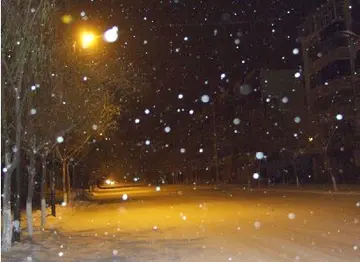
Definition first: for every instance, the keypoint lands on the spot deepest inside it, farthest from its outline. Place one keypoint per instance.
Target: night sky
(183, 47)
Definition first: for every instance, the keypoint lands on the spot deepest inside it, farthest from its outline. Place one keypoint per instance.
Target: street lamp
(87, 39)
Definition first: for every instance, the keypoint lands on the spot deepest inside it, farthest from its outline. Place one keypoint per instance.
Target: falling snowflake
(339, 117)
(59, 139)
(124, 197)
(257, 225)
(111, 35)
(167, 129)
(259, 155)
(236, 121)
(61, 254)
(295, 51)
(115, 252)
(297, 119)
(180, 96)
(285, 100)
(182, 150)
(291, 216)
(205, 99)
(245, 89)
(137, 121)
(256, 176)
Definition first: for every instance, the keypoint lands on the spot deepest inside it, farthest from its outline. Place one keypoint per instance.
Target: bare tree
(87, 93)
(19, 20)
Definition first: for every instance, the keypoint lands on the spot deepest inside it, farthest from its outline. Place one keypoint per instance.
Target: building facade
(330, 47)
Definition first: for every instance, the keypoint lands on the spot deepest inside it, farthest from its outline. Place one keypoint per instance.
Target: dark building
(330, 48)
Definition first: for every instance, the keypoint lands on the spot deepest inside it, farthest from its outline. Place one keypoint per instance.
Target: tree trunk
(329, 169)
(17, 213)
(315, 169)
(296, 175)
(30, 194)
(6, 211)
(65, 199)
(17, 152)
(73, 176)
(52, 194)
(334, 182)
(52, 186)
(68, 185)
(11, 165)
(217, 171)
(42, 192)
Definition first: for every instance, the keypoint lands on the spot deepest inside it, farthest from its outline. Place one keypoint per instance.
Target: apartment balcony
(340, 53)
(322, 97)
(329, 13)
(336, 85)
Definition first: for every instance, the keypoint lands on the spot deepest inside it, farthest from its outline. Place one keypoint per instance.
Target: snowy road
(183, 224)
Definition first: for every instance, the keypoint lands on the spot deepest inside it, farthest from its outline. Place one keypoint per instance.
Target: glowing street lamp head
(87, 39)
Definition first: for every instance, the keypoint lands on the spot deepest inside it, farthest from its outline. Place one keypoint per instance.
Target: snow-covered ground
(183, 224)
